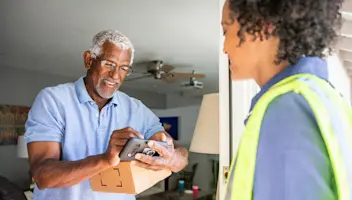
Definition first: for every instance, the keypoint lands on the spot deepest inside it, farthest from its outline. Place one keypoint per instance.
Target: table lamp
(21, 147)
(206, 133)
(23, 153)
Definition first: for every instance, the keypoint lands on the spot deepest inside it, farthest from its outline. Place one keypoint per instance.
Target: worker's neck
(267, 70)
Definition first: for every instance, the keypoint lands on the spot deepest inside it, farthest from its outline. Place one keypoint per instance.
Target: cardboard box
(128, 179)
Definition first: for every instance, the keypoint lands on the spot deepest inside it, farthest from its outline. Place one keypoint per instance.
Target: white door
(241, 95)
(224, 112)
(234, 101)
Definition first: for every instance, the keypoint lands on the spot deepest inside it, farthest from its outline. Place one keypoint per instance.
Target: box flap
(116, 180)
(127, 179)
(145, 179)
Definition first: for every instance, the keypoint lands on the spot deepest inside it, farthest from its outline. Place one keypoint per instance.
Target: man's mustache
(117, 82)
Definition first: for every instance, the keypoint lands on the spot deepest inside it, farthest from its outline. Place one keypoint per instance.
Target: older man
(76, 130)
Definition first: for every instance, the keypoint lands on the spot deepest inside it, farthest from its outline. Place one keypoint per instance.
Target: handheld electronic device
(136, 145)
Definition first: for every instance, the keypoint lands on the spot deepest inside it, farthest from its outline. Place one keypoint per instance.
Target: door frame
(234, 100)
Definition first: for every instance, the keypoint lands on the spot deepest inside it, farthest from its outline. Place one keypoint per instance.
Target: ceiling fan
(192, 83)
(158, 70)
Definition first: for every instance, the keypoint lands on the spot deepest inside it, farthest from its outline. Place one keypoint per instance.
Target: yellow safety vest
(240, 183)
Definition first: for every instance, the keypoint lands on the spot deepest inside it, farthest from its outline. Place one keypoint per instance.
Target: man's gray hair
(112, 36)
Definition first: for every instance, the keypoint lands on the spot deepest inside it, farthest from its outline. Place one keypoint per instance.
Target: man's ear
(88, 60)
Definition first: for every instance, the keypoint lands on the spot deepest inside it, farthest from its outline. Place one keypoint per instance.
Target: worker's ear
(88, 60)
(268, 27)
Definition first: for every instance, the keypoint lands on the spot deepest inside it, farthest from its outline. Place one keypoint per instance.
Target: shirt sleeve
(292, 160)
(151, 123)
(44, 121)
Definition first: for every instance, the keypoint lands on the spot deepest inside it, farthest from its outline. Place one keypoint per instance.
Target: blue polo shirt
(68, 115)
(292, 160)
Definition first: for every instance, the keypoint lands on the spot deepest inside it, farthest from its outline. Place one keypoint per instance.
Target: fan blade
(139, 77)
(167, 68)
(168, 78)
(188, 75)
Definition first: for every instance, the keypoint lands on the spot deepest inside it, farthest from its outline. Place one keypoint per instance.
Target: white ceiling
(51, 36)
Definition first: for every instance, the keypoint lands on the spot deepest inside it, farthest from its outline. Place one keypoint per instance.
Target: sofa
(10, 191)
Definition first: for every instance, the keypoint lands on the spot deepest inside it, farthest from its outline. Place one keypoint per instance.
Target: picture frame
(171, 126)
(12, 123)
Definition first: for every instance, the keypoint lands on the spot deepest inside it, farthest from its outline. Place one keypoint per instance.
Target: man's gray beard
(101, 91)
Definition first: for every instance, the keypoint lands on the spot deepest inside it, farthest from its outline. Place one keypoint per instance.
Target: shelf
(11, 126)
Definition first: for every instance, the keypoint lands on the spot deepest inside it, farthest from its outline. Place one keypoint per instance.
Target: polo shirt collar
(305, 65)
(83, 95)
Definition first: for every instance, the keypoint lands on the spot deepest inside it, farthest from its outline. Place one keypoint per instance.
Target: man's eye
(109, 64)
(125, 68)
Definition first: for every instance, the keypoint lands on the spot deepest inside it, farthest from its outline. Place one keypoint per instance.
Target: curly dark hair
(304, 27)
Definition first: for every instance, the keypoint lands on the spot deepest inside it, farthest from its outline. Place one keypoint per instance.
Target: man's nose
(115, 73)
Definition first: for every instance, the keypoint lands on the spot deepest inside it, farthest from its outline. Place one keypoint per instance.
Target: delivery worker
(297, 141)
(77, 130)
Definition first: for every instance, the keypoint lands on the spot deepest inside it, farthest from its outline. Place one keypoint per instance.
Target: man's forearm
(55, 174)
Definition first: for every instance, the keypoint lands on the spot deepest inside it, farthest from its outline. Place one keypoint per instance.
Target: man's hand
(169, 157)
(118, 139)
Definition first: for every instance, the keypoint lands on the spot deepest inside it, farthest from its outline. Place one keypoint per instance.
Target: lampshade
(21, 147)
(206, 133)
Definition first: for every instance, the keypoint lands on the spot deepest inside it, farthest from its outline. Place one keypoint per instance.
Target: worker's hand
(157, 163)
(118, 139)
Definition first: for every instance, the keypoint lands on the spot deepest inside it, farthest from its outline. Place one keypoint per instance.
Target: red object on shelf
(195, 191)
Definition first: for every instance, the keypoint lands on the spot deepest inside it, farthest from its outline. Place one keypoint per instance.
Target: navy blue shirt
(292, 160)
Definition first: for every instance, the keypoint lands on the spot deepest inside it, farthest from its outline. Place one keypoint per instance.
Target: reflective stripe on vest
(339, 147)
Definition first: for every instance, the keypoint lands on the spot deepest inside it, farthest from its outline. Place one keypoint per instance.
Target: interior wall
(150, 99)
(20, 87)
(339, 77)
(188, 116)
(176, 100)
(187, 120)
